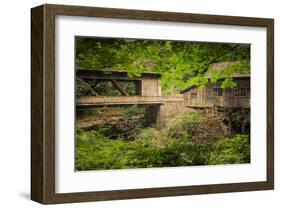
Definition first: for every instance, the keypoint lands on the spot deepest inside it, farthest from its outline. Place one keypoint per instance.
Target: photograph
(136, 103)
(144, 103)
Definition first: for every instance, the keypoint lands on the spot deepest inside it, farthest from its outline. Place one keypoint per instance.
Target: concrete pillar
(153, 116)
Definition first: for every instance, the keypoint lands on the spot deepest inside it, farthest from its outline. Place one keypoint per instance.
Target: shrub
(96, 152)
(185, 153)
(193, 126)
(231, 151)
(169, 147)
(183, 126)
(150, 135)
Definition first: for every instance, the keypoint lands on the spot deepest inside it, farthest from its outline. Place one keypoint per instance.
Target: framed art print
(135, 104)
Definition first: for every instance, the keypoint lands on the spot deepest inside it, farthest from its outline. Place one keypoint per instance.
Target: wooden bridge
(147, 91)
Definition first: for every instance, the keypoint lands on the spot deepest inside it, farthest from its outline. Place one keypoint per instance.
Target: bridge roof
(113, 74)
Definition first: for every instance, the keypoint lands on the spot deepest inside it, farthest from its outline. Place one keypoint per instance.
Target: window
(194, 95)
(217, 92)
(242, 92)
(248, 91)
(236, 92)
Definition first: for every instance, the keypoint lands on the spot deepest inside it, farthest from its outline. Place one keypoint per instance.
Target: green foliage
(81, 87)
(149, 134)
(112, 122)
(185, 153)
(133, 110)
(192, 125)
(106, 88)
(171, 146)
(228, 83)
(181, 64)
(183, 126)
(231, 150)
(96, 152)
(187, 140)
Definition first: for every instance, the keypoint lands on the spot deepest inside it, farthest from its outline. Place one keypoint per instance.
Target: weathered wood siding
(195, 97)
(212, 95)
(150, 87)
(231, 97)
(172, 106)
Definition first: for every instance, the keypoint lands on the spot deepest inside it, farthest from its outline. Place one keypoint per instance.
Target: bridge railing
(125, 100)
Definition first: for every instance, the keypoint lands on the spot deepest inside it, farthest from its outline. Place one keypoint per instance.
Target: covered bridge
(129, 90)
(144, 89)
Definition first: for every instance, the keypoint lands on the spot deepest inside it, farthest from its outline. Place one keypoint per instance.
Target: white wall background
(15, 104)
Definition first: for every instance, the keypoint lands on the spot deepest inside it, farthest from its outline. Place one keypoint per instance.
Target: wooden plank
(37, 102)
(116, 100)
(124, 100)
(42, 104)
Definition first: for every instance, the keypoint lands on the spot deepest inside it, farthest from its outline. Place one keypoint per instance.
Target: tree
(181, 63)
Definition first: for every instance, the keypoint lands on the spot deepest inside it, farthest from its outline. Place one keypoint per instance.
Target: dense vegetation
(161, 148)
(181, 64)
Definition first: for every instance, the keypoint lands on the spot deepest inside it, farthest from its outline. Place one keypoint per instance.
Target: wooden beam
(107, 78)
(124, 100)
(92, 84)
(93, 92)
(120, 89)
(109, 74)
